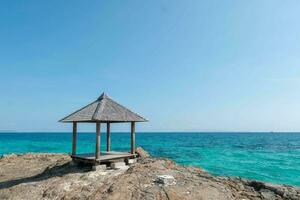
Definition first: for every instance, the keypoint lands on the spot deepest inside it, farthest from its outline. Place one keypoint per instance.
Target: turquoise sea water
(272, 157)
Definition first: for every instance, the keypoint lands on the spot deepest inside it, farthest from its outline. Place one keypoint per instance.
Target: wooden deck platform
(104, 157)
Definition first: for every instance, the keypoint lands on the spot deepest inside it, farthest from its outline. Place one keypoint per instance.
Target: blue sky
(184, 65)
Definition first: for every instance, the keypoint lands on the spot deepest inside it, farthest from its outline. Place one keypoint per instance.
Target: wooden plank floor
(104, 156)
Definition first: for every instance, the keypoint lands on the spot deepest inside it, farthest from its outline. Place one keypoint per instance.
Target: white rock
(99, 167)
(131, 161)
(165, 179)
(117, 165)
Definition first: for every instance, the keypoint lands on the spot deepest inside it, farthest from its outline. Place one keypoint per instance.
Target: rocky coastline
(52, 176)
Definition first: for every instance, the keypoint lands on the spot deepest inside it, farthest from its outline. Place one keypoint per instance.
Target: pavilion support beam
(132, 138)
(74, 138)
(108, 137)
(97, 154)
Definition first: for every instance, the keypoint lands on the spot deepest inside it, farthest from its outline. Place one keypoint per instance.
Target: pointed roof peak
(104, 109)
(103, 96)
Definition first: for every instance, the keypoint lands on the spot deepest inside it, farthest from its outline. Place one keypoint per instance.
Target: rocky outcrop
(142, 153)
(51, 176)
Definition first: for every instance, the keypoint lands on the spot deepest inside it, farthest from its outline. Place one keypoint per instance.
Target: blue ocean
(272, 157)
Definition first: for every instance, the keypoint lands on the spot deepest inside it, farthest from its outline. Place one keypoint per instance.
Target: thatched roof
(104, 109)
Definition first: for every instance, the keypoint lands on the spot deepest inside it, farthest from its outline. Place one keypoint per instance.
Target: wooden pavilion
(103, 110)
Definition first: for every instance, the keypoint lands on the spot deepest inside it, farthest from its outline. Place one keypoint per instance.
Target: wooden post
(132, 138)
(108, 137)
(74, 138)
(97, 155)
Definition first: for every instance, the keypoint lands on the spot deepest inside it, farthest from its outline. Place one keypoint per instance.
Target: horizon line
(153, 131)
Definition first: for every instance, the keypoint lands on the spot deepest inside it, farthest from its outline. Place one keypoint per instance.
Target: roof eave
(102, 121)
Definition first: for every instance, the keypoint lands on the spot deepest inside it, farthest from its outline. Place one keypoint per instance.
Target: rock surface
(142, 153)
(52, 176)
